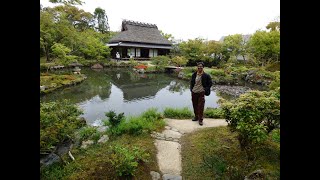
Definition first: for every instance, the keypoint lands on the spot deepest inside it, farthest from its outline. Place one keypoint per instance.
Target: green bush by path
(178, 113)
(148, 121)
(214, 113)
(58, 121)
(253, 115)
(125, 161)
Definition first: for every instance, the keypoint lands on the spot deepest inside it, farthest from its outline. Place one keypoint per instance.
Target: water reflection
(123, 90)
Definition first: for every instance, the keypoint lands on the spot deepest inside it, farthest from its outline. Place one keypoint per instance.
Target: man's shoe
(200, 123)
(194, 119)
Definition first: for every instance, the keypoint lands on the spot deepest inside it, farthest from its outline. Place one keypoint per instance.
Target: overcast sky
(189, 19)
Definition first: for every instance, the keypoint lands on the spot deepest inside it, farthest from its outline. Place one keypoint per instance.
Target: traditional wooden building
(141, 41)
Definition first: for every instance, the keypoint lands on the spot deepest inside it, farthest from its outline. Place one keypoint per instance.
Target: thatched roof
(138, 32)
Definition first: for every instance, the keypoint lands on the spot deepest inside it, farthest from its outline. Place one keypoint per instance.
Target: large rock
(102, 129)
(103, 139)
(85, 144)
(50, 159)
(255, 175)
(155, 175)
(97, 66)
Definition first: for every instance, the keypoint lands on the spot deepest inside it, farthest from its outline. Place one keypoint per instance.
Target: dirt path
(169, 148)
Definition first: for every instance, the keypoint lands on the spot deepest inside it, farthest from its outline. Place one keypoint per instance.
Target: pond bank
(52, 82)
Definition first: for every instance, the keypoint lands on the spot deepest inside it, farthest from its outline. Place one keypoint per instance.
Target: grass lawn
(214, 153)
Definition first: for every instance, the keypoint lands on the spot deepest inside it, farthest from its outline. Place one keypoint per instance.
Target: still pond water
(123, 90)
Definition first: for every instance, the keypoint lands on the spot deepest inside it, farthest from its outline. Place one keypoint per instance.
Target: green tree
(274, 25)
(102, 20)
(193, 50)
(60, 50)
(167, 36)
(235, 44)
(179, 60)
(47, 33)
(265, 46)
(71, 28)
(74, 2)
(80, 19)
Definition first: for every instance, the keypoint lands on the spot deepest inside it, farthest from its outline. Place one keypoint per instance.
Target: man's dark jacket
(205, 80)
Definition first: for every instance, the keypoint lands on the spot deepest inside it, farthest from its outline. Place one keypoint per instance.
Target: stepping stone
(171, 177)
(168, 156)
(172, 134)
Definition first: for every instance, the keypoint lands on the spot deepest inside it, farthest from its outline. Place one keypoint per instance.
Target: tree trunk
(47, 51)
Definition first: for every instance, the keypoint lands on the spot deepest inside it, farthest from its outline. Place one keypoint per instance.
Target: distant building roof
(138, 32)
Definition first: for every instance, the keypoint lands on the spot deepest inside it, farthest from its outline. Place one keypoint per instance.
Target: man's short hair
(198, 63)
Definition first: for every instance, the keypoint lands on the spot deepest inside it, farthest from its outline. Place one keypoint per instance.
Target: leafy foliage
(148, 121)
(265, 46)
(254, 114)
(214, 113)
(179, 60)
(58, 121)
(102, 20)
(114, 119)
(68, 32)
(160, 62)
(125, 161)
(177, 113)
(86, 132)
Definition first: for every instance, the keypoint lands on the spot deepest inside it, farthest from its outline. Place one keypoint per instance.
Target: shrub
(179, 60)
(253, 115)
(114, 119)
(132, 62)
(151, 69)
(160, 61)
(214, 113)
(217, 72)
(87, 132)
(276, 82)
(275, 134)
(136, 125)
(152, 114)
(58, 121)
(126, 161)
(177, 113)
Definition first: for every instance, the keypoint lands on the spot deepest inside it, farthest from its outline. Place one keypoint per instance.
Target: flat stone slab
(168, 157)
(171, 177)
(187, 126)
(172, 134)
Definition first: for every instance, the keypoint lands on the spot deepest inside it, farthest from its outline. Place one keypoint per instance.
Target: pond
(123, 90)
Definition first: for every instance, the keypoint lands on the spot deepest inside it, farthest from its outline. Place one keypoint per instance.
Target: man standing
(199, 86)
(118, 56)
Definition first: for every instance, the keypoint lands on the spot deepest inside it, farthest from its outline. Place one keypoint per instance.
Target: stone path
(169, 148)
